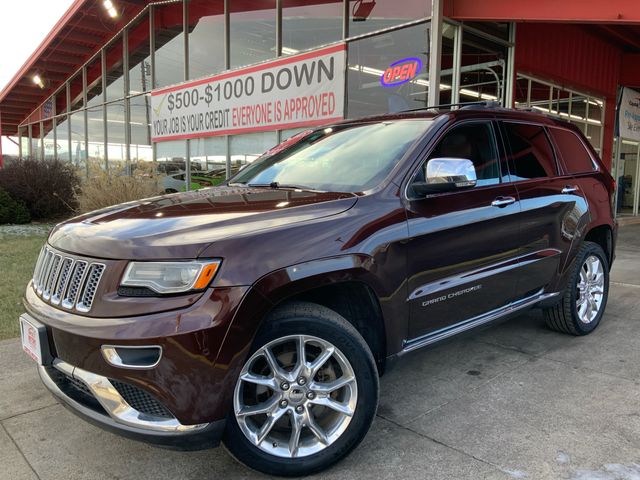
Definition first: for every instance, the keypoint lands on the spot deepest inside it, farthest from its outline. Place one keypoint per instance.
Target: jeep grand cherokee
(262, 312)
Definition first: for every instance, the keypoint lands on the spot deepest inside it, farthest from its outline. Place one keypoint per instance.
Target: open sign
(401, 72)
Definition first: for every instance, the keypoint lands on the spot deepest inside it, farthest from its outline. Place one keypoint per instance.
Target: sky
(23, 25)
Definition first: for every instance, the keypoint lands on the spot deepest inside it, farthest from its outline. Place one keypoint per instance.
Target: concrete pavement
(515, 401)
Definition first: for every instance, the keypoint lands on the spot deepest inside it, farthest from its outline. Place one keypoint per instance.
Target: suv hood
(182, 225)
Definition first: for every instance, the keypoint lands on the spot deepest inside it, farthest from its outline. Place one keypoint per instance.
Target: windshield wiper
(287, 186)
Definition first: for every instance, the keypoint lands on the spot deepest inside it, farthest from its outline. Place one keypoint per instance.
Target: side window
(574, 154)
(475, 142)
(530, 155)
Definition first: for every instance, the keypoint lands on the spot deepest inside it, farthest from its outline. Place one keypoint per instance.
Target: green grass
(18, 255)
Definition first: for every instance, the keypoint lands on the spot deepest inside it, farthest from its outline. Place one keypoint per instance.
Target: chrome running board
(444, 333)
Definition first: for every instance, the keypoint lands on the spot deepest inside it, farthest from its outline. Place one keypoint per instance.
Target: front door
(464, 244)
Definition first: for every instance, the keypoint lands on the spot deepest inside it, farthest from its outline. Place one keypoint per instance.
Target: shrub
(104, 189)
(45, 187)
(12, 211)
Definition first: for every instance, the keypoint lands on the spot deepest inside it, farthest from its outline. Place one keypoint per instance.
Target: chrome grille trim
(63, 280)
(94, 274)
(37, 273)
(69, 300)
(52, 277)
(46, 261)
(67, 281)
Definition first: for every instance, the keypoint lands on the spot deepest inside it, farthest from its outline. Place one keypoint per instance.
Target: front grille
(67, 281)
(141, 400)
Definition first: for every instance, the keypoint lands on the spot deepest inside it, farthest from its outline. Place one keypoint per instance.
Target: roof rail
(462, 105)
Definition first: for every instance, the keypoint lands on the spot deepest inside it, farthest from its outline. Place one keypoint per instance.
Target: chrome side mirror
(446, 174)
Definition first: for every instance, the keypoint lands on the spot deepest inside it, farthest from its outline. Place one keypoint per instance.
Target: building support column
(457, 62)
(435, 50)
(510, 73)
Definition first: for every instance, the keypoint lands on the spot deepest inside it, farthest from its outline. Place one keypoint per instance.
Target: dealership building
(201, 87)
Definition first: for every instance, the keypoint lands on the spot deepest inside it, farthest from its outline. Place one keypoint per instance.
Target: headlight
(170, 277)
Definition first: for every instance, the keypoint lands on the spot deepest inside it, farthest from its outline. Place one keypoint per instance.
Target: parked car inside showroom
(262, 312)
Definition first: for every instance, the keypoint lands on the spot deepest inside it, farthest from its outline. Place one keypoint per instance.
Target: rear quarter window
(572, 151)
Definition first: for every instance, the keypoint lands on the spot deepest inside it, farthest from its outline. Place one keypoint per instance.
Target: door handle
(570, 189)
(503, 201)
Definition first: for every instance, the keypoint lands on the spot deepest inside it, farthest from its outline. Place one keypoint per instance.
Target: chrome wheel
(590, 291)
(295, 396)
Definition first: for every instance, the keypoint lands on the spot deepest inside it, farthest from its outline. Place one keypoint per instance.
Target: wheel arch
(603, 236)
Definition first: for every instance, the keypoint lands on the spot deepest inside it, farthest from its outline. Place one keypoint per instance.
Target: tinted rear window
(574, 154)
(531, 154)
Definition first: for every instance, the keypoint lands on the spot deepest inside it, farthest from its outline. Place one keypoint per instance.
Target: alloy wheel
(295, 396)
(590, 291)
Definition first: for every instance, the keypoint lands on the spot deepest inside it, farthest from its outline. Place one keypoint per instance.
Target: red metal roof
(79, 34)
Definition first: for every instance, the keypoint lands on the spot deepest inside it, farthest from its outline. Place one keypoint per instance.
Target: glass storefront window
(627, 180)
(253, 31)
(310, 26)
(139, 56)
(23, 134)
(171, 159)
(76, 90)
(95, 132)
(94, 82)
(370, 15)
(36, 150)
(584, 111)
(483, 67)
(495, 29)
(48, 140)
(116, 142)
(61, 100)
(62, 137)
(78, 153)
(244, 149)
(206, 37)
(140, 125)
(115, 71)
(446, 63)
(369, 61)
(208, 160)
(169, 44)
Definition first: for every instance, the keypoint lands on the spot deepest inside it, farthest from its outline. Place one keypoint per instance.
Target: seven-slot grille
(66, 281)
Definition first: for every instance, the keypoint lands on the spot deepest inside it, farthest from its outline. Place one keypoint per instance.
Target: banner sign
(295, 91)
(629, 115)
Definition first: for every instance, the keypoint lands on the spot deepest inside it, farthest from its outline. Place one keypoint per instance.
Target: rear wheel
(306, 396)
(585, 298)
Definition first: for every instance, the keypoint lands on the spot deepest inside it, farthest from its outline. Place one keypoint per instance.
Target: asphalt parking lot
(513, 401)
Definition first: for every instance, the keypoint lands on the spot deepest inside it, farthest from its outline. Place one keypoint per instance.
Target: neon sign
(401, 72)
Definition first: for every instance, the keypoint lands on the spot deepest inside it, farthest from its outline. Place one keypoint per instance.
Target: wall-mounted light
(111, 10)
(37, 79)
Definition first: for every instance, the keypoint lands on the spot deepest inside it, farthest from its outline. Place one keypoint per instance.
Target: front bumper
(191, 385)
(95, 399)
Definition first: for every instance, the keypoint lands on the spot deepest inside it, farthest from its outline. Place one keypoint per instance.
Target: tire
(319, 327)
(566, 316)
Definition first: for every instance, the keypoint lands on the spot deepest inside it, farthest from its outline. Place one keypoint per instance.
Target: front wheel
(585, 298)
(306, 396)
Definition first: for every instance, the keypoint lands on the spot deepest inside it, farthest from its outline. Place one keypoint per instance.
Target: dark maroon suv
(262, 312)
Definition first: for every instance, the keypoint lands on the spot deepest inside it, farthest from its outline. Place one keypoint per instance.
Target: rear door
(463, 244)
(551, 202)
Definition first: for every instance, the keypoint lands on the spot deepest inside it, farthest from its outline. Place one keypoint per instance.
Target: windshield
(347, 158)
